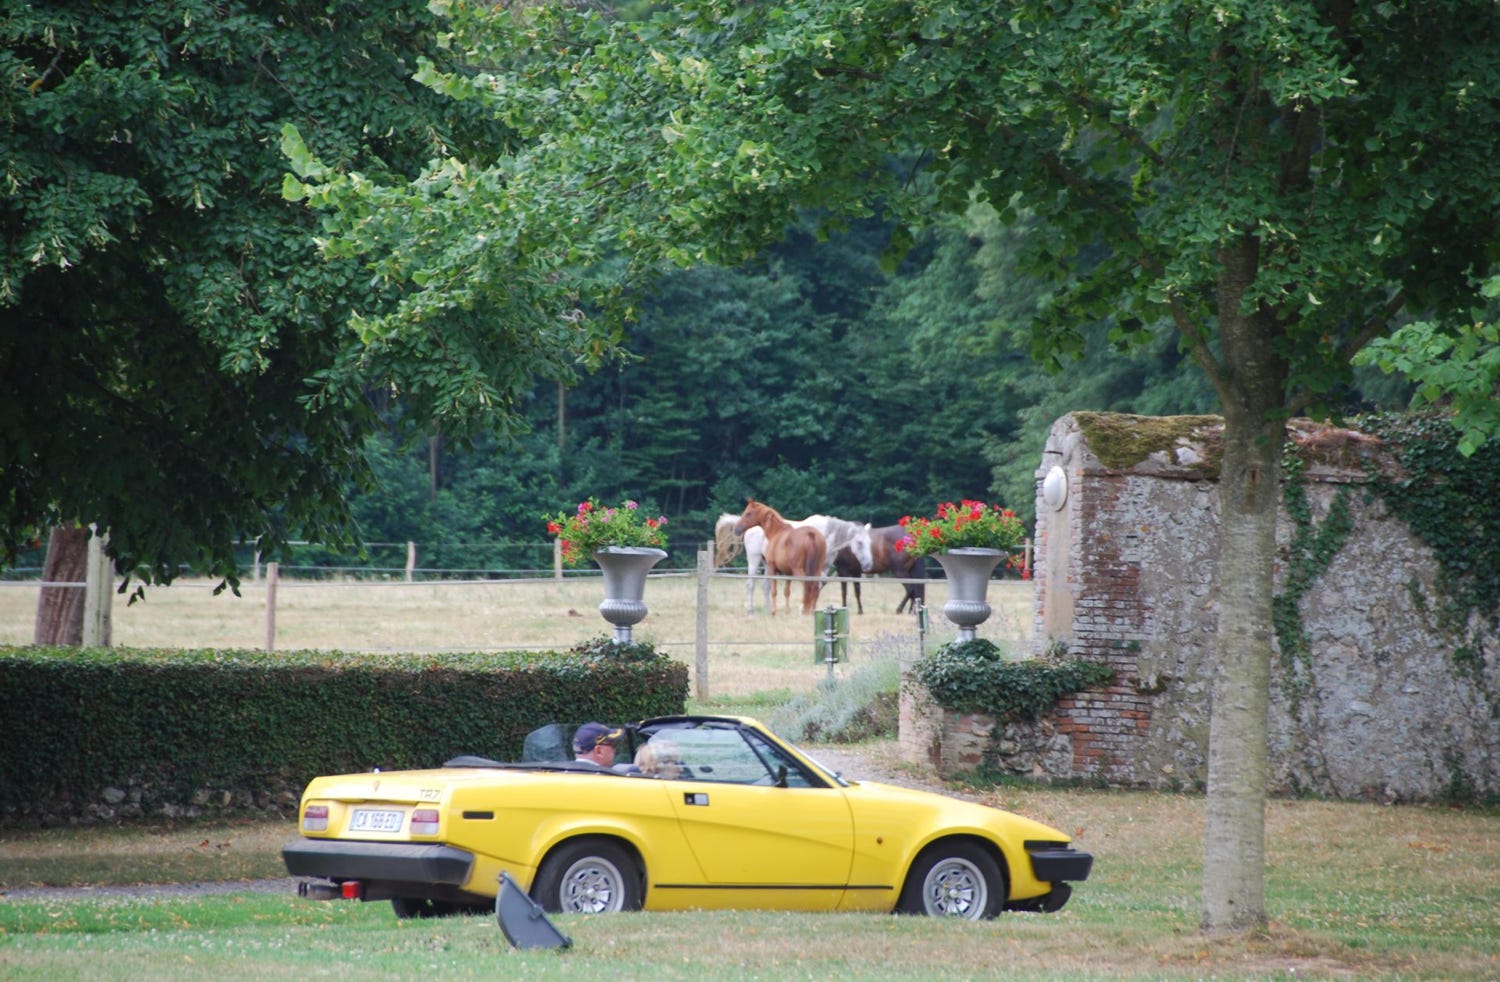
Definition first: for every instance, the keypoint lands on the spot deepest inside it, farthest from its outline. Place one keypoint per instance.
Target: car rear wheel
(957, 879)
(589, 876)
(418, 907)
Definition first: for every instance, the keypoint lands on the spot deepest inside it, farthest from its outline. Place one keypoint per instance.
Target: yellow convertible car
(734, 817)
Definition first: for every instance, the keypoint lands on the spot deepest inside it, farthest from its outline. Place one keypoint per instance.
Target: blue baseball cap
(590, 735)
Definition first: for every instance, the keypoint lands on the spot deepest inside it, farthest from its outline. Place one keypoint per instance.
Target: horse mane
(727, 544)
(831, 524)
(766, 508)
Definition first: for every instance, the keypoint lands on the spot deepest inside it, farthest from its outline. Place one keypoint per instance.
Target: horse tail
(815, 559)
(726, 543)
(813, 565)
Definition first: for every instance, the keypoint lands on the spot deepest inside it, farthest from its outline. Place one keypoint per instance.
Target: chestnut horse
(790, 551)
(886, 558)
(847, 541)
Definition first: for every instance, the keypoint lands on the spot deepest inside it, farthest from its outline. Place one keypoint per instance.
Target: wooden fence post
(273, 571)
(700, 660)
(98, 595)
(411, 559)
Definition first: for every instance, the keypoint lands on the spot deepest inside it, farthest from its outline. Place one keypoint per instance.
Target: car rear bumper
(337, 860)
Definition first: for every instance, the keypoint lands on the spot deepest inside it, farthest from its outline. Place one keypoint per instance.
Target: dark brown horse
(790, 551)
(847, 565)
(886, 558)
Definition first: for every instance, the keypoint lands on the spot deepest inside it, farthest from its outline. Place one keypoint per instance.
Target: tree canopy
(179, 362)
(1279, 182)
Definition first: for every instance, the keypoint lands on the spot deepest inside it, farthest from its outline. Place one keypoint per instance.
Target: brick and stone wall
(1125, 575)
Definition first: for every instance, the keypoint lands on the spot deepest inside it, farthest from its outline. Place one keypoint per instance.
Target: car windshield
(736, 755)
(835, 776)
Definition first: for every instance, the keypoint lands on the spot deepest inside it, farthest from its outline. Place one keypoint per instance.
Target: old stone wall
(1125, 575)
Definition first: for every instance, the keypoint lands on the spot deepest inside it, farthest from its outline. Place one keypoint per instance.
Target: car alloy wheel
(957, 880)
(954, 888)
(587, 877)
(592, 886)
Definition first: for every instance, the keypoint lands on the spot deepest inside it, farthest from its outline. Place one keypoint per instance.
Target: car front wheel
(590, 876)
(954, 880)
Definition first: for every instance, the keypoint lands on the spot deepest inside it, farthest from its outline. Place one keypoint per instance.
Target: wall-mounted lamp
(1055, 488)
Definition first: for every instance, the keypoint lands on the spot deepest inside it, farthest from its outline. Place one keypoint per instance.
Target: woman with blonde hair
(659, 758)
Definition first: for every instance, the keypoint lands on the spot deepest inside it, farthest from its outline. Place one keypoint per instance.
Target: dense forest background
(814, 380)
(226, 396)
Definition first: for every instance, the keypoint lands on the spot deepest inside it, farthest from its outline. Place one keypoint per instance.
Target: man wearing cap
(594, 743)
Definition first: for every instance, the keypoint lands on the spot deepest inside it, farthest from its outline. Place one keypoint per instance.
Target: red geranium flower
(968, 525)
(592, 527)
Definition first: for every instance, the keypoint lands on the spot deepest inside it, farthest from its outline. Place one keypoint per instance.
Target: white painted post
(700, 663)
(411, 559)
(557, 559)
(98, 593)
(273, 573)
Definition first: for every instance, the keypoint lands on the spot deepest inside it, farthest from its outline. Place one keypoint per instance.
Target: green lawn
(1355, 890)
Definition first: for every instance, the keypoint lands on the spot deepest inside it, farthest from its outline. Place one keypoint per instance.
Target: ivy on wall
(1313, 546)
(1450, 502)
(1446, 499)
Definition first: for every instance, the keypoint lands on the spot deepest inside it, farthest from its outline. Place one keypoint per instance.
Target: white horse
(841, 534)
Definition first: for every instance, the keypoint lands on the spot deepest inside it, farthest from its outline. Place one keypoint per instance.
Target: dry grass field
(746, 653)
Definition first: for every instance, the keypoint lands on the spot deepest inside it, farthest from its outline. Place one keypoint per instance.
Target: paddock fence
(702, 615)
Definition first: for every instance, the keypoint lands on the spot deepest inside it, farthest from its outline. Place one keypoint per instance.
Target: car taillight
(424, 821)
(315, 818)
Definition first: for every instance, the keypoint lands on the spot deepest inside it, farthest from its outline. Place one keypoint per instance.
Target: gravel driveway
(878, 760)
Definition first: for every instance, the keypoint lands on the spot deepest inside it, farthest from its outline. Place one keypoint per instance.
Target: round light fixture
(1055, 488)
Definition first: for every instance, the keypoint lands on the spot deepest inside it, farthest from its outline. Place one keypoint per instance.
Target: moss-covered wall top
(1121, 441)
(1191, 447)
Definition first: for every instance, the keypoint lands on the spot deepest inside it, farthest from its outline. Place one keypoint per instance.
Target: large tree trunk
(1249, 492)
(59, 611)
(1234, 842)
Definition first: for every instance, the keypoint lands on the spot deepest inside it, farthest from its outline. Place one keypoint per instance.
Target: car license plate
(376, 820)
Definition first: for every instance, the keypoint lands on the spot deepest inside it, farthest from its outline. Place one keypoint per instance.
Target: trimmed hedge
(103, 734)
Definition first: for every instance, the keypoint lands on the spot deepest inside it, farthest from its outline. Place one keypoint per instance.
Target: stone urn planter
(625, 569)
(968, 572)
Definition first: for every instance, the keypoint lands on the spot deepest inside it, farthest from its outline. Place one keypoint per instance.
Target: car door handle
(694, 798)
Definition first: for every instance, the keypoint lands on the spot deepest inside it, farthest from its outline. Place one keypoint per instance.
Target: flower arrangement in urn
(967, 525)
(592, 527)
